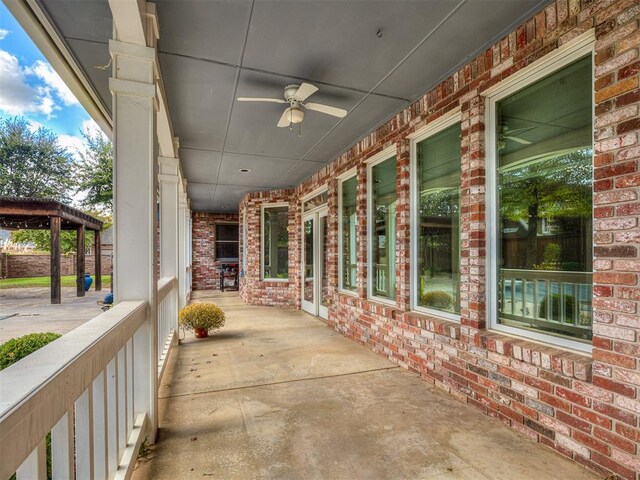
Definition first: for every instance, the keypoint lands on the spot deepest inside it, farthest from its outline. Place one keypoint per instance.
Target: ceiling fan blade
(305, 91)
(318, 107)
(518, 140)
(258, 99)
(285, 119)
(518, 130)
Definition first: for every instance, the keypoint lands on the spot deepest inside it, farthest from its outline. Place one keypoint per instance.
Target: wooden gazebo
(41, 213)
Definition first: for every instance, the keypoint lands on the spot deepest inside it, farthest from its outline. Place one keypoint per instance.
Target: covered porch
(284, 396)
(277, 395)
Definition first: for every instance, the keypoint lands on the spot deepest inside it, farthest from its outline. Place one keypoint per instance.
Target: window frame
(371, 162)
(216, 241)
(447, 120)
(348, 175)
(580, 47)
(264, 207)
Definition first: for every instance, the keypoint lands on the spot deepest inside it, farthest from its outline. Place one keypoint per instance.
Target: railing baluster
(122, 400)
(62, 461)
(99, 428)
(112, 417)
(130, 391)
(35, 465)
(84, 437)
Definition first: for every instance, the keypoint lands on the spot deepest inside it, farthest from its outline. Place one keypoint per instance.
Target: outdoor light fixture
(294, 115)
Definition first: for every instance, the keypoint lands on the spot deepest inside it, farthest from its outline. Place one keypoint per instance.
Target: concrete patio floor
(277, 395)
(29, 310)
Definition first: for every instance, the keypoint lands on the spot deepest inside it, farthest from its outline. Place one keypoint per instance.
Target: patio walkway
(277, 395)
(28, 310)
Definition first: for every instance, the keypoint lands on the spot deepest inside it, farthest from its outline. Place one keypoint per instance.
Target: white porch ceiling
(213, 51)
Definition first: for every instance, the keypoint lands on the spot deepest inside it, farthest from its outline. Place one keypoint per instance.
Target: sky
(29, 87)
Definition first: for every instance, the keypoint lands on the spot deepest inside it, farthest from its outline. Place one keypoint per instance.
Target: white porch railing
(167, 301)
(88, 390)
(555, 300)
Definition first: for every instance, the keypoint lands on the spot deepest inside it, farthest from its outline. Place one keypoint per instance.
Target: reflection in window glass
(227, 242)
(383, 235)
(544, 148)
(438, 165)
(275, 243)
(348, 234)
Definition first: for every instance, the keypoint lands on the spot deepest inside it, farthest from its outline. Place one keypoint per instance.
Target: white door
(314, 262)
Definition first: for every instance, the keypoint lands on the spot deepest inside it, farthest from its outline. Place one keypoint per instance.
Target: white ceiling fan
(509, 134)
(295, 95)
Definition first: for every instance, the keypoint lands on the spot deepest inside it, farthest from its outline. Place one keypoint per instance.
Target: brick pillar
(361, 244)
(403, 224)
(472, 218)
(332, 240)
(295, 250)
(616, 207)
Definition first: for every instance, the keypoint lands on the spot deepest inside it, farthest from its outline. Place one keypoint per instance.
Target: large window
(437, 243)
(227, 241)
(347, 235)
(382, 229)
(543, 146)
(275, 243)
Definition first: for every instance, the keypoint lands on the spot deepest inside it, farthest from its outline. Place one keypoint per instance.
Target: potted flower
(201, 317)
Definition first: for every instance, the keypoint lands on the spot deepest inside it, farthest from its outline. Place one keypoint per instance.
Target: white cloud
(3, 33)
(73, 144)
(17, 97)
(33, 125)
(52, 80)
(91, 128)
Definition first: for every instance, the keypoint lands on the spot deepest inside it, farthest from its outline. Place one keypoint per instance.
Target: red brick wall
(205, 270)
(586, 407)
(24, 266)
(253, 289)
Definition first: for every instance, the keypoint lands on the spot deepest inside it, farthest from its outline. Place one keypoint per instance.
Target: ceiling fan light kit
(295, 95)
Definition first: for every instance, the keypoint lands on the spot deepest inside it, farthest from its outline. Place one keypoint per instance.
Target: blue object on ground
(108, 299)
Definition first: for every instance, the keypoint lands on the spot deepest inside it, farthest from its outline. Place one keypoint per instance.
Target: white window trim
(353, 172)
(262, 243)
(578, 48)
(309, 196)
(371, 162)
(447, 120)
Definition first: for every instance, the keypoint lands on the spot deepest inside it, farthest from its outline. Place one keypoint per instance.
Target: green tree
(32, 163)
(554, 188)
(95, 173)
(42, 239)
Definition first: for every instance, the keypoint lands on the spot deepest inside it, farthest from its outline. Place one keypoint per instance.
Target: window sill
(555, 360)
(567, 363)
(441, 326)
(274, 281)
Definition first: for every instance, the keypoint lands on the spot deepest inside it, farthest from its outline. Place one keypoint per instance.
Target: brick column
(616, 207)
(361, 231)
(472, 218)
(332, 240)
(403, 224)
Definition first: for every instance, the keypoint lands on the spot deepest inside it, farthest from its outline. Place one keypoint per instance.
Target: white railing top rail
(165, 284)
(39, 389)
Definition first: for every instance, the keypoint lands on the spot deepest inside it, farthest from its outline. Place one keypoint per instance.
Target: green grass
(67, 281)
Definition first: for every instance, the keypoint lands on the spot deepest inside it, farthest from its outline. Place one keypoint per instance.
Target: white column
(168, 178)
(182, 245)
(135, 183)
(189, 248)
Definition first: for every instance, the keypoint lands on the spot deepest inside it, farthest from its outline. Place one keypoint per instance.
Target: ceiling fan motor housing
(290, 91)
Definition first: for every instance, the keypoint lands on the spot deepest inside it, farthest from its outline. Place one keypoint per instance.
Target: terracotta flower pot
(201, 332)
